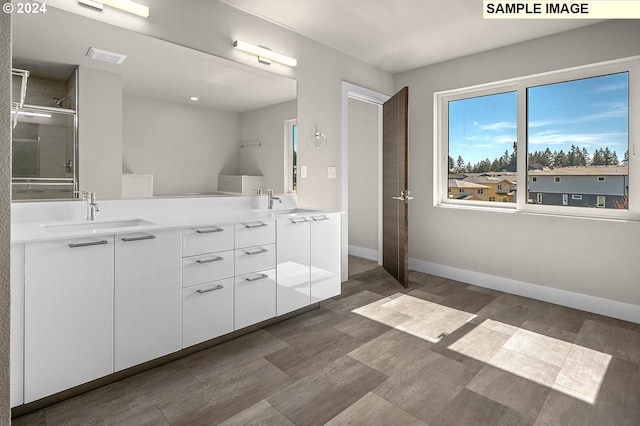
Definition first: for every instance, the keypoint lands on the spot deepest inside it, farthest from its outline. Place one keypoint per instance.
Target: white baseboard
(363, 252)
(597, 305)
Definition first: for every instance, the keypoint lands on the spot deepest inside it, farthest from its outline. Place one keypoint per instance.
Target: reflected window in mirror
(291, 155)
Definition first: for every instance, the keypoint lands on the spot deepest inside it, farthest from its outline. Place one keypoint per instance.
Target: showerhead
(60, 101)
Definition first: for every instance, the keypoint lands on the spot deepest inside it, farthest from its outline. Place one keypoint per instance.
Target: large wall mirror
(133, 130)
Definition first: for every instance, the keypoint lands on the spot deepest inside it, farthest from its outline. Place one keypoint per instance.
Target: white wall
(267, 125)
(363, 175)
(592, 257)
(100, 132)
(211, 26)
(184, 147)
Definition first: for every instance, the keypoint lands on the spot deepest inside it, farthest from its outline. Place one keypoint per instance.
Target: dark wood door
(395, 191)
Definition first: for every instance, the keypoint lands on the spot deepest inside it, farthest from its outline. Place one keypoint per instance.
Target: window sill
(623, 216)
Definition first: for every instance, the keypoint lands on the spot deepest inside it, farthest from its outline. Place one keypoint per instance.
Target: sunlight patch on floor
(565, 367)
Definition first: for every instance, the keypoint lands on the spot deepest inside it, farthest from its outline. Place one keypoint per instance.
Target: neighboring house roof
(457, 183)
(583, 171)
(483, 179)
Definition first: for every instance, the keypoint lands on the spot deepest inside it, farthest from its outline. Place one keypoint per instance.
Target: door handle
(404, 196)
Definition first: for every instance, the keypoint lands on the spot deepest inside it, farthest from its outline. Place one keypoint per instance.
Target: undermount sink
(92, 225)
(296, 211)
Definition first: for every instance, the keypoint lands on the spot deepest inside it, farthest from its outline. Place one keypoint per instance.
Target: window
(482, 131)
(481, 191)
(571, 129)
(576, 197)
(492, 198)
(580, 126)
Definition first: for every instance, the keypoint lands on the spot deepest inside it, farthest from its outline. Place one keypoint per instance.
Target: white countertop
(23, 232)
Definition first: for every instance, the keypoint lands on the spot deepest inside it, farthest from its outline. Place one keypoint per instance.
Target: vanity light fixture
(126, 5)
(264, 54)
(193, 98)
(106, 56)
(32, 114)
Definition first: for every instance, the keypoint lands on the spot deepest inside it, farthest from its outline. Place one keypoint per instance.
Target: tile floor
(439, 353)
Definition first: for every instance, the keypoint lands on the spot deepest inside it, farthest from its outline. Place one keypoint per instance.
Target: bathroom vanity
(150, 278)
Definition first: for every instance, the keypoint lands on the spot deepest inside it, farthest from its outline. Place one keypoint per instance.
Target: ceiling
(400, 35)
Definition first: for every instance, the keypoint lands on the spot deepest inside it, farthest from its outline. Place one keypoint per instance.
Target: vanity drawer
(255, 298)
(256, 258)
(207, 267)
(206, 239)
(207, 311)
(259, 232)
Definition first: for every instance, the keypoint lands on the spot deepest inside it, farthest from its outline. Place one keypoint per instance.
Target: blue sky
(590, 113)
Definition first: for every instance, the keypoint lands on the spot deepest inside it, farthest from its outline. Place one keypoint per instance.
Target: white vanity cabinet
(325, 256)
(148, 295)
(17, 324)
(293, 263)
(255, 281)
(68, 314)
(207, 281)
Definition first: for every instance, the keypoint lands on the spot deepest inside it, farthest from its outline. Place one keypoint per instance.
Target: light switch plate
(331, 172)
(303, 172)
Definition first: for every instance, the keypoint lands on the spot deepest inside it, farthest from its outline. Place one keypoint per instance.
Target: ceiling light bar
(126, 5)
(92, 3)
(32, 114)
(106, 56)
(264, 53)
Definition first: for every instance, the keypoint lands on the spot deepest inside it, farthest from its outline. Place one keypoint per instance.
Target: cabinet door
(325, 256)
(68, 314)
(148, 296)
(293, 264)
(17, 324)
(207, 311)
(255, 298)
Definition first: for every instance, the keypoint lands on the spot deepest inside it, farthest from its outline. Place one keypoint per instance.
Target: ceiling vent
(105, 56)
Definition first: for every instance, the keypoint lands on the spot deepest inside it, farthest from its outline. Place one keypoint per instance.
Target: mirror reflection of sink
(93, 225)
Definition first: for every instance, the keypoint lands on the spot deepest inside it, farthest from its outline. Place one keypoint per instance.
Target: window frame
(519, 85)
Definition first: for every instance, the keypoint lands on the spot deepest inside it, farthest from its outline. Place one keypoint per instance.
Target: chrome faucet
(92, 205)
(271, 198)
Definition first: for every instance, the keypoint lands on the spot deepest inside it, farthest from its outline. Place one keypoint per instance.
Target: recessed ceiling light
(193, 98)
(105, 56)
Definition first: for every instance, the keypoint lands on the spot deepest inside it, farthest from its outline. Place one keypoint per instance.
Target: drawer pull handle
(209, 231)
(213, 259)
(92, 243)
(251, 253)
(259, 277)
(207, 290)
(255, 225)
(303, 220)
(319, 218)
(146, 237)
